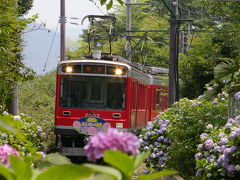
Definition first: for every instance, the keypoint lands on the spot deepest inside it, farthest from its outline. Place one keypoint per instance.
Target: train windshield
(86, 92)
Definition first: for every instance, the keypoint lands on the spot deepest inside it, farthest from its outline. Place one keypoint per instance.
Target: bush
(29, 138)
(37, 99)
(218, 154)
(187, 120)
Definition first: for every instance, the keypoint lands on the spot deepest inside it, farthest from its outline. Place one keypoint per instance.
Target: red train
(95, 94)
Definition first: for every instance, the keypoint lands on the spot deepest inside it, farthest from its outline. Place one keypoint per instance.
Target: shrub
(218, 154)
(187, 120)
(29, 138)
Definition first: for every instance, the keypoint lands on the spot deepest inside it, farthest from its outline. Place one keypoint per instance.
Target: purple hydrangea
(198, 156)
(223, 141)
(233, 135)
(112, 140)
(214, 102)
(160, 138)
(222, 134)
(230, 168)
(199, 172)
(232, 149)
(208, 144)
(204, 136)
(228, 125)
(6, 151)
(237, 95)
(147, 171)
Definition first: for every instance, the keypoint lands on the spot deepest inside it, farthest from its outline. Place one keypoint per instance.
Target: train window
(92, 92)
(115, 70)
(95, 69)
(75, 68)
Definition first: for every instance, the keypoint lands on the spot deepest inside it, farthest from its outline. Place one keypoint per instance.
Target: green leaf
(226, 68)
(35, 173)
(20, 168)
(65, 172)
(120, 2)
(100, 176)
(121, 161)
(102, 2)
(156, 175)
(6, 173)
(7, 124)
(138, 158)
(105, 170)
(110, 4)
(56, 158)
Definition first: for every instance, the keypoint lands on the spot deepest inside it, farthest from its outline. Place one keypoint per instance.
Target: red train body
(127, 99)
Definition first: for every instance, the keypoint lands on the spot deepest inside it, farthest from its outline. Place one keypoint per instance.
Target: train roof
(118, 60)
(146, 74)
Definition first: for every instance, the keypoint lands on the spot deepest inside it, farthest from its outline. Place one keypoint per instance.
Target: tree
(37, 97)
(153, 50)
(24, 6)
(12, 68)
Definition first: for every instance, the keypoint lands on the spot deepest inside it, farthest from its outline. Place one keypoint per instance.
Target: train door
(133, 104)
(147, 101)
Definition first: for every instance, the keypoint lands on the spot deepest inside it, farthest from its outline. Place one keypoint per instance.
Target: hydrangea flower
(209, 126)
(223, 141)
(219, 152)
(237, 95)
(5, 152)
(112, 140)
(159, 143)
(208, 144)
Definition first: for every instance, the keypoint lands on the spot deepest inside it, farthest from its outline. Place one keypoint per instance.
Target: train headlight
(118, 71)
(69, 69)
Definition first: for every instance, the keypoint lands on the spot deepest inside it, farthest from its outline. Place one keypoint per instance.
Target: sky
(49, 12)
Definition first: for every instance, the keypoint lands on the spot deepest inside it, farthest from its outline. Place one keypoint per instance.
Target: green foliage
(24, 6)
(218, 154)
(125, 166)
(153, 50)
(196, 67)
(12, 67)
(227, 78)
(37, 99)
(23, 135)
(187, 120)
(64, 170)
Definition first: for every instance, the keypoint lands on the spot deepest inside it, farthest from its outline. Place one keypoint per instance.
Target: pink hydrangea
(112, 140)
(5, 152)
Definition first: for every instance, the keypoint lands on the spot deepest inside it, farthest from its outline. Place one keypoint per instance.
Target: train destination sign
(91, 125)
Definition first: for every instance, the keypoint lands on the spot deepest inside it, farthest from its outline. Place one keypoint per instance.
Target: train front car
(90, 97)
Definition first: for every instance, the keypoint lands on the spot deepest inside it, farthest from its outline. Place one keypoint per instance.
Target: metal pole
(173, 56)
(13, 109)
(62, 30)
(128, 28)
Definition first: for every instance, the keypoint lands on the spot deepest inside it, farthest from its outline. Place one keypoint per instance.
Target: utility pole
(173, 55)
(128, 29)
(62, 21)
(13, 109)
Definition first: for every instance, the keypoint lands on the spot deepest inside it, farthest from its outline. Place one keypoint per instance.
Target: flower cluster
(154, 140)
(218, 154)
(237, 96)
(28, 129)
(5, 152)
(112, 140)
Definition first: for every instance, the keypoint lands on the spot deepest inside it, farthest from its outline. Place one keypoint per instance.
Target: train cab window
(87, 92)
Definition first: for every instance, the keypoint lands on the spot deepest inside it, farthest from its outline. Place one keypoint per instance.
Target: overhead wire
(45, 65)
